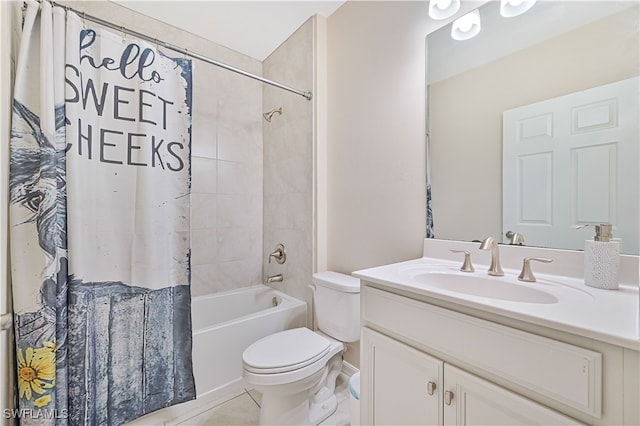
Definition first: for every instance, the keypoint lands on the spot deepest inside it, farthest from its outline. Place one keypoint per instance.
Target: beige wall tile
(204, 211)
(288, 167)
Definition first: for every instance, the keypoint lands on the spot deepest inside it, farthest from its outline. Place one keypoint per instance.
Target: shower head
(267, 115)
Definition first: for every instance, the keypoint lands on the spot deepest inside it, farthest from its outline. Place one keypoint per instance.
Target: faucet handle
(466, 266)
(527, 274)
(280, 254)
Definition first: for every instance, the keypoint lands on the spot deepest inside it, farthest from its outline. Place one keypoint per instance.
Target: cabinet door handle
(431, 388)
(448, 397)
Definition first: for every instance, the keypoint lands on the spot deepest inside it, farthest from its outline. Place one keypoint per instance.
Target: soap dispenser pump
(602, 259)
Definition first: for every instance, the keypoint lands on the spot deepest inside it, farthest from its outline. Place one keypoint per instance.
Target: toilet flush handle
(314, 322)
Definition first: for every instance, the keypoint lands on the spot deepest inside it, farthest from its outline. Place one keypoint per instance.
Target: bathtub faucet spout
(274, 279)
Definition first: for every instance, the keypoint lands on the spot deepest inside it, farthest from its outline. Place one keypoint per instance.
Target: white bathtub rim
(287, 302)
(235, 290)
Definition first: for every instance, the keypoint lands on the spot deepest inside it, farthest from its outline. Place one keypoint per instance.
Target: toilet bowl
(296, 370)
(290, 367)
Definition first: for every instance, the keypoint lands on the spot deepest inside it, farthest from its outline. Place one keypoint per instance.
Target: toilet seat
(288, 356)
(285, 351)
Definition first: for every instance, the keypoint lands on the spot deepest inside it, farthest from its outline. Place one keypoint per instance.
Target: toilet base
(320, 411)
(307, 402)
(295, 409)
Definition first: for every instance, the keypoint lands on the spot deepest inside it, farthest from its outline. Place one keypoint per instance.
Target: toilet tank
(337, 305)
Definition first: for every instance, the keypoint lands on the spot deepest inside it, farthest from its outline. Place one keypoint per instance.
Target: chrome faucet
(515, 238)
(490, 244)
(274, 279)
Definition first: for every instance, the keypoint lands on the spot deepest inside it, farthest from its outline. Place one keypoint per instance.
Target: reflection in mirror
(554, 50)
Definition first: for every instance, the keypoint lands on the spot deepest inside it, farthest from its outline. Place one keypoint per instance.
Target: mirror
(553, 50)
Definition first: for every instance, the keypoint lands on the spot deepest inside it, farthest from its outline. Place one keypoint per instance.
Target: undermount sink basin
(486, 287)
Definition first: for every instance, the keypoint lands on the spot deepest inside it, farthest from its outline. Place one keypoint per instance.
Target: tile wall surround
(288, 164)
(227, 155)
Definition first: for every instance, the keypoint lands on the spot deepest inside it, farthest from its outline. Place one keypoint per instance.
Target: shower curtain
(430, 232)
(99, 216)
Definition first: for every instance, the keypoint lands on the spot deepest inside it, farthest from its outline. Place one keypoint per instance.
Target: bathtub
(225, 324)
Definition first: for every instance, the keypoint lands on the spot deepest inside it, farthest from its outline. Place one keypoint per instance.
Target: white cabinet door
(469, 400)
(399, 385)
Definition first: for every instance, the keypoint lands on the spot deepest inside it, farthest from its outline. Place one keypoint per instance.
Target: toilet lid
(286, 350)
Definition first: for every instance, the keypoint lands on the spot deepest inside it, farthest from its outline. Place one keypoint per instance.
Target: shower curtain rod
(186, 52)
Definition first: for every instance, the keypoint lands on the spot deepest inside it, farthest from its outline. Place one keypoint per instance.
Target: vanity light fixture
(511, 8)
(443, 9)
(467, 26)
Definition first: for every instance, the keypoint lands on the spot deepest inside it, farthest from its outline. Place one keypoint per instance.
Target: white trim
(348, 370)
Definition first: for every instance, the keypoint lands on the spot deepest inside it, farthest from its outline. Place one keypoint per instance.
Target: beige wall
(466, 115)
(375, 167)
(376, 202)
(376, 133)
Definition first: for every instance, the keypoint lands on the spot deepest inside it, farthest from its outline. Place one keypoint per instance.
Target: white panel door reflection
(570, 161)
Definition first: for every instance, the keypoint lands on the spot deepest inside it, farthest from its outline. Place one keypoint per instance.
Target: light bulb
(443, 9)
(467, 26)
(443, 4)
(511, 8)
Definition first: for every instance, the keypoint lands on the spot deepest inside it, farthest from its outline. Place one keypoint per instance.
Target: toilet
(296, 369)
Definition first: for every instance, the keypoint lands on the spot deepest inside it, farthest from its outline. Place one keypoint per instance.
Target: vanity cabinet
(404, 386)
(425, 363)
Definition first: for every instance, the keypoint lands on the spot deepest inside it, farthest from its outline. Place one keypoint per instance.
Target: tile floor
(244, 409)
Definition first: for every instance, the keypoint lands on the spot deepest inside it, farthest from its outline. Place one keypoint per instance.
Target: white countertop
(607, 315)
